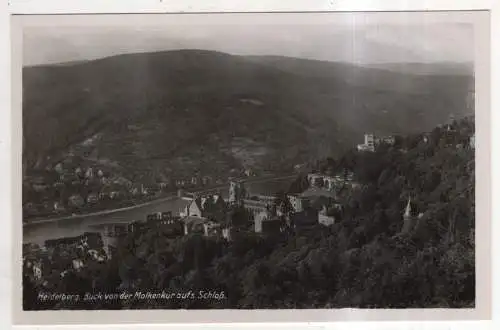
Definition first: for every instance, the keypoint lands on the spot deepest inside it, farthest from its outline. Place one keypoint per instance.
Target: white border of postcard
(10, 151)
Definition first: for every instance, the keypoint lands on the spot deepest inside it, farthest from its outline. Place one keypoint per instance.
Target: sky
(361, 38)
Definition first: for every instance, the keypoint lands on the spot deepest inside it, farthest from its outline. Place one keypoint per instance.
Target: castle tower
(237, 192)
(407, 218)
(407, 214)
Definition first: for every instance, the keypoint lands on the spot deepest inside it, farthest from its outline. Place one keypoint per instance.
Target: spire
(407, 214)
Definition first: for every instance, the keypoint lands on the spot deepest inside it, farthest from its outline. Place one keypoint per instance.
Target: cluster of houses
(210, 215)
(371, 142)
(63, 190)
(317, 205)
(46, 265)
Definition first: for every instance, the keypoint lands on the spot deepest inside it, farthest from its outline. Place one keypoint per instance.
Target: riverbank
(142, 205)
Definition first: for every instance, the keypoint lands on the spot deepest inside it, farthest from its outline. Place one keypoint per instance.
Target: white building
(211, 228)
(390, 140)
(37, 270)
(58, 207)
(298, 202)
(89, 173)
(369, 144)
(78, 264)
(325, 219)
(329, 182)
(371, 141)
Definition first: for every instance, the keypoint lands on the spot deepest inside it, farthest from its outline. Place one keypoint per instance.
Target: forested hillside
(202, 111)
(364, 260)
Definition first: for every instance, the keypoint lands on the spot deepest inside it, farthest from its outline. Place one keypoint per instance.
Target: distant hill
(196, 110)
(453, 69)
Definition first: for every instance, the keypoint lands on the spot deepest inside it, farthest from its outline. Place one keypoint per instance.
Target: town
(318, 200)
(69, 188)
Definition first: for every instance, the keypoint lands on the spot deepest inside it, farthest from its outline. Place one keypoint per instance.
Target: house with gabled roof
(211, 206)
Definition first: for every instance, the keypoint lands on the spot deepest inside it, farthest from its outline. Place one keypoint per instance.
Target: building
(315, 192)
(390, 140)
(137, 227)
(304, 219)
(103, 195)
(194, 225)
(166, 223)
(324, 218)
(159, 216)
(318, 180)
(37, 270)
(369, 144)
(237, 192)
(94, 254)
(266, 222)
(298, 202)
(264, 198)
(62, 246)
(409, 220)
(59, 207)
(256, 206)
(78, 264)
(89, 173)
(211, 228)
(92, 198)
(472, 141)
(110, 234)
(59, 168)
(206, 180)
(211, 206)
(329, 182)
(114, 194)
(39, 184)
(227, 233)
(231, 233)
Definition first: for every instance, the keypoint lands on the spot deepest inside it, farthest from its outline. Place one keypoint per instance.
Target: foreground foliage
(362, 261)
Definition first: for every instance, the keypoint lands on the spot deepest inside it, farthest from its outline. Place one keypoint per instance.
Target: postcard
(243, 167)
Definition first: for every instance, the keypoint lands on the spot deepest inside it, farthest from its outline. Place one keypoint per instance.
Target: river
(38, 232)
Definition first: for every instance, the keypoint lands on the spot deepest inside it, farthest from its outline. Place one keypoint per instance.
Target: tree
(282, 202)
(299, 185)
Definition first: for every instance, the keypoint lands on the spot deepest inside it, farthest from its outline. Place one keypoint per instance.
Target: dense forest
(364, 260)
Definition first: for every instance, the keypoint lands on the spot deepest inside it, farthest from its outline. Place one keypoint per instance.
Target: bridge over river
(41, 230)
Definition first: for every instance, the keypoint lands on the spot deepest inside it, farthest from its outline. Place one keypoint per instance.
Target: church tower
(408, 220)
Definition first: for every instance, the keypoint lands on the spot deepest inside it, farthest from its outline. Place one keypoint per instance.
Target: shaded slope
(188, 109)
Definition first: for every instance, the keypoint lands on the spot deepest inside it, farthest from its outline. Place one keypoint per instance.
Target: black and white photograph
(235, 161)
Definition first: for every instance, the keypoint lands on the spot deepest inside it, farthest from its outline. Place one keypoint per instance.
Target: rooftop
(189, 220)
(316, 192)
